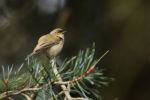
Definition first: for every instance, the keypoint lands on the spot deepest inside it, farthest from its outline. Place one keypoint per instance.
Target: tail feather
(30, 55)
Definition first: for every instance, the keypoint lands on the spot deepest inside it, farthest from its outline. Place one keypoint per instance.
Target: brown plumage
(50, 44)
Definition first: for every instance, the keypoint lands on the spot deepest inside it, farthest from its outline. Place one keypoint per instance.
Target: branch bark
(64, 88)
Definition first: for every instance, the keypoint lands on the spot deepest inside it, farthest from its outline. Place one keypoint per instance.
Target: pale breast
(55, 50)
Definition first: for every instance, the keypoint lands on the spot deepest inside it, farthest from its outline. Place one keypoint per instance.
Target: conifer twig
(85, 74)
(12, 93)
(92, 67)
(54, 68)
(26, 96)
(82, 66)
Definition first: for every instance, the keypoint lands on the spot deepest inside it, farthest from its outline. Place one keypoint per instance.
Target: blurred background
(121, 26)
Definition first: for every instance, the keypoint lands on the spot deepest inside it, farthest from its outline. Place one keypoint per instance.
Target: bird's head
(58, 32)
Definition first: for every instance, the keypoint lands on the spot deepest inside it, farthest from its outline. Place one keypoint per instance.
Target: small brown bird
(50, 44)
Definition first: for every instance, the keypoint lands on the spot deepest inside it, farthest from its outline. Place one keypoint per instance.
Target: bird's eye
(60, 37)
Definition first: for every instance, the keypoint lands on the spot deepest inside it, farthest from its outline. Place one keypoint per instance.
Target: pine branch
(48, 81)
(66, 92)
(13, 93)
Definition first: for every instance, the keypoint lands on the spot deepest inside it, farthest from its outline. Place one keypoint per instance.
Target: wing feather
(45, 44)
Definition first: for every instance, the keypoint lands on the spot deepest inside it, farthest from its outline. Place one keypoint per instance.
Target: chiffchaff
(50, 44)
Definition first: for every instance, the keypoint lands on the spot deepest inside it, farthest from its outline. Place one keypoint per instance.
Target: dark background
(122, 26)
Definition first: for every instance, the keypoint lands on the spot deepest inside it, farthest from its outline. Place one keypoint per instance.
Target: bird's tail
(30, 55)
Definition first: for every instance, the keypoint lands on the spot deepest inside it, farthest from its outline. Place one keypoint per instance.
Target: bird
(50, 44)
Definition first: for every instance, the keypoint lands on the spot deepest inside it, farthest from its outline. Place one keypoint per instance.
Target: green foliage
(13, 80)
(35, 72)
(77, 65)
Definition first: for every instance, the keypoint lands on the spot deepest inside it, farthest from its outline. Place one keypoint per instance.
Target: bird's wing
(45, 44)
(43, 39)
